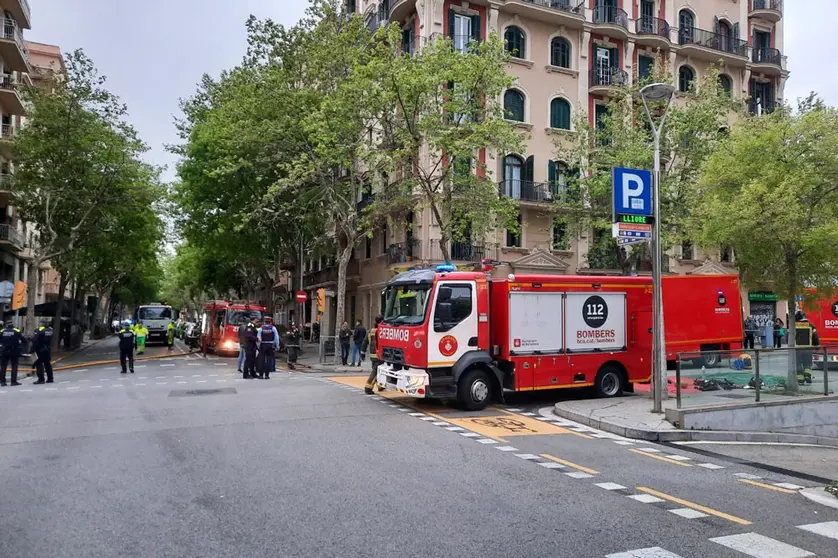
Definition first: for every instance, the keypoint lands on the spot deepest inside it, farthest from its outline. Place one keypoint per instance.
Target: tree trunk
(31, 293)
(344, 254)
(445, 248)
(59, 309)
(791, 380)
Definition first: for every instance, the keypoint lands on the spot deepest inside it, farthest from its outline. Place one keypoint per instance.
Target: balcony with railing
(567, 12)
(611, 16)
(652, 31)
(12, 48)
(9, 97)
(707, 45)
(404, 252)
(768, 61)
(758, 107)
(463, 251)
(10, 237)
(768, 10)
(366, 201)
(603, 80)
(535, 192)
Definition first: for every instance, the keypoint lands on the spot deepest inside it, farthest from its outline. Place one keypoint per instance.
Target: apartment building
(567, 56)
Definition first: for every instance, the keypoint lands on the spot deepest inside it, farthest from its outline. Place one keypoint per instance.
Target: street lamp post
(657, 92)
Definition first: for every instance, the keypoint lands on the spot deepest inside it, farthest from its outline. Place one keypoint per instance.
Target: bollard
(756, 375)
(825, 372)
(678, 382)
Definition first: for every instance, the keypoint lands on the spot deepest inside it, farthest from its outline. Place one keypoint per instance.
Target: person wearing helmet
(126, 347)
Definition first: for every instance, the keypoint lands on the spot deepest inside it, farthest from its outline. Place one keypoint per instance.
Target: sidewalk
(310, 359)
(631, 416)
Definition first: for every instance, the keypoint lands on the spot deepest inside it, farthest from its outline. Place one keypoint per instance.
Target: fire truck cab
(463, 335)
(220, 324)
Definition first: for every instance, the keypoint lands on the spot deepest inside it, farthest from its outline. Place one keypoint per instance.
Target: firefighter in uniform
(292, 345)
(43, 350)
(371, 344)
(267, 338)
(249, 342)
(10, 343)
(126, 347)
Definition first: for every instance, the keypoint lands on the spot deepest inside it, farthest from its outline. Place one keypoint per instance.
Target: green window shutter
(452, 16)
(529, 169)
(475, 28)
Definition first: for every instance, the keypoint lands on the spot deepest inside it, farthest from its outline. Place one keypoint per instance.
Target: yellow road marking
(695, 506)
(659, 457)
(569, 464)
(768, 486)
(554, 430)
(506, 425)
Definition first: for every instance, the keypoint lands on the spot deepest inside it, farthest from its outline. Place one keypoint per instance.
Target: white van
(156, 318)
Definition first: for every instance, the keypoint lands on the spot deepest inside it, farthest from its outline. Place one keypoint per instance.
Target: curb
(691, 435)
(820, 496)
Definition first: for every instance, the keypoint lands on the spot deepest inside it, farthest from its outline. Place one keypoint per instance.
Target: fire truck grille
(393, 355)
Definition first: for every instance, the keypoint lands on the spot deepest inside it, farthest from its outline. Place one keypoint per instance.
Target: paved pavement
(185, 458)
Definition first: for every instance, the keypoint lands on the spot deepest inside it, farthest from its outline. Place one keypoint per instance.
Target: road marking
(505, 448)
(788, 485)
(196, 375)
(711, 466)
(646, 498)
(140, 384)
(212, 375)
(65, 382)
(178, 377)
(623, 442)
(162, 365)
(470, 434)
(221, 364)
(768, 486)
(84, 380)
(203, 381)
(181, 382)
(569, 464)
(73, 387)
(826, 529)
(159, 377)
(439, 423)
(82, 370)
(506, 425)
(141, 366)
(529, 414)
(694, 506)
(679, 458)
(221, 381)
(455, 428)
(51, 389)
(142, 377)
(513, 410)
(394, 405)
(116, 386)
(95, 387)
(760, 546)
(403, 409)
(112, 368)
(746, 476)
(579, 475)
(649, 450)
(486, 441)
(417, 414)
(688, 513)
(193, 364)
(651, 552)
(104, 379)
(426, 418)
(551, 465)
(610, 486)
(25, 390)
(658, 457)
(527, 456)
(161, 383)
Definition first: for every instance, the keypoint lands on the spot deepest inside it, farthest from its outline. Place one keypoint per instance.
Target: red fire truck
(220, 324)
(822, 312)
(464, 335)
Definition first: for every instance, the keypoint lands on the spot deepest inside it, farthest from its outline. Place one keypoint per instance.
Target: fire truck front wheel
(474, 390)
(609, 381)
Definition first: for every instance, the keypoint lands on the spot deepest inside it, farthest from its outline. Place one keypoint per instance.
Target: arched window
(560, 52)
(513, 174)
(725, 83)
(516, 42)
(686, 77)
(513, 105)
(686, 24)
(724, 35)
(560, 114)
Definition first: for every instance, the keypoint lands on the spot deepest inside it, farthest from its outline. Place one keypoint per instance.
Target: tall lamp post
(657, 92)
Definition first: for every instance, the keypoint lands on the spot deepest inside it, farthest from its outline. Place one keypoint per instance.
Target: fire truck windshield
(405, 304)
(240, 317)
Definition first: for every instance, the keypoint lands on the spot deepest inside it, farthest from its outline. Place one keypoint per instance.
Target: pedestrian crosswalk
(751, 544)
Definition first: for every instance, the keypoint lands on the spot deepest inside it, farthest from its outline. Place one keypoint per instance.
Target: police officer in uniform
(266, 338)
(126, 347)
(249, 342)
(43, 350)
(10, 343)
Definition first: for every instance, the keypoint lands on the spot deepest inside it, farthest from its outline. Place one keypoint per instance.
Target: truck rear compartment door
(536, 336)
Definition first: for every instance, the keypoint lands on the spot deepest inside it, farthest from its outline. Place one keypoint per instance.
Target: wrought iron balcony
(609, 15)
(464, 251)
(767, 56)
(702, 38)
(527, 190)
(652, 26)
(607, 77)
(769, 10)
(9, 235)
(563, 5)
(404, 252)
(7, 132)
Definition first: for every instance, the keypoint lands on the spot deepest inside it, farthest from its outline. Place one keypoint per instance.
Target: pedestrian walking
(43, 352)
(127, 342)
(779, 331)
(141, 336)
(344, 336)
(250, 341)
(266, 340)
(358, 336)
(11, 342)
(292, 345)
(371, 345)
(750, 327)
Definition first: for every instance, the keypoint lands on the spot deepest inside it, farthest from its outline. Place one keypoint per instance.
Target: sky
(154, 52)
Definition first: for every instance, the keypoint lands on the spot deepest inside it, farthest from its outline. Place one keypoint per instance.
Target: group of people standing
(12, 343)
(354, 338)
(776, 332)
(258, 344)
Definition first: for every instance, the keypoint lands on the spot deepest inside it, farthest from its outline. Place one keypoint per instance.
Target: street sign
(634, 219)
(301, 297)
(630, 230)
(631, 192)
(625, 241)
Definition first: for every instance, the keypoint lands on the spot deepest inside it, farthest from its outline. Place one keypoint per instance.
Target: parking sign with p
(632, 192)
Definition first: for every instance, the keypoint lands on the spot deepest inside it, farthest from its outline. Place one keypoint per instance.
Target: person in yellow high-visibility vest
(142, 335)
(170, 335)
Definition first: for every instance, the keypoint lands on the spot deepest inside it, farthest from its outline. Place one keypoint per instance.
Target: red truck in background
(220, 324)
(468, 336)
(822, 312)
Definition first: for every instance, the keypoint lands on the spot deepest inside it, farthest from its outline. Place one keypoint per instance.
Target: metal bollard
(825, 372)
(678, 382)
(756, 375)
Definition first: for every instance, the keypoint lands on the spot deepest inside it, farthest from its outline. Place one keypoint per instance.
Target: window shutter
(736, 31)
(529, 168)
(715, 25)
(552, 174)
(615, 58)
(452, 16)
(475, 28)
(503, 168)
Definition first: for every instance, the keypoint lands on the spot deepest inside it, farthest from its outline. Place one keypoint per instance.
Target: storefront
(763, 307)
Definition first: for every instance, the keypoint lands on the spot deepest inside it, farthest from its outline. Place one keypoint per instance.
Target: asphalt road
(186, 459)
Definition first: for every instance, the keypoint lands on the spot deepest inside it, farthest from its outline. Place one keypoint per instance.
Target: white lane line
(141, 366)
(95, 387)
(623, 442)
(527, 456)
(610, 486)
(65, 382)
(26, 390)
(2, 392)
(601, 436)
(104, 379)
(73, 387)
(84, 380)
(486, 441)
(528, 414)
(82, 370)
(470, 434)
(688, 513)
(826, 529)
(417, 414)
(579, 475)
(403, 409)
(201, 382)
(760, 546)
(455, 428)
(212, 375)
(162, 365)
(711, 466)
(51, 389)
(789, 485)
(140, 384)
(193, 364)
(552, 465)
(221, 381)
(440, 423)
(748, 476)
(221, 364)
(651, 552)
(394, 405)
(176, 377)
(160, 377)
(427, 418)
(117, 385)
(142, 377)
(196, 375)
(513, 410)
(108, 368)
(161, 383)
(678, 458)
(238, 380)
(646, 498)
(649, 450)
(181, 382)
(505, 448)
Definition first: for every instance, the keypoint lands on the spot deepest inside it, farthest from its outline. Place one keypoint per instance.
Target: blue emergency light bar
(446, 268)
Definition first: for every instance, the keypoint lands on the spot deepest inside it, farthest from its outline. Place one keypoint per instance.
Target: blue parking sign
(632, 192)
